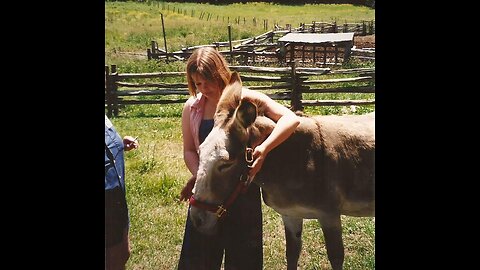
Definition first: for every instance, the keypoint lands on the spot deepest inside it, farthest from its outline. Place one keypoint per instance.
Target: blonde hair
(210, 64)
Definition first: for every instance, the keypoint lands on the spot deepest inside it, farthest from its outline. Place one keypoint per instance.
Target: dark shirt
(205, 127)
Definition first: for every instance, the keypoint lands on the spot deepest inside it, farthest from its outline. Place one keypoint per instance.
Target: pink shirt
(197, 105)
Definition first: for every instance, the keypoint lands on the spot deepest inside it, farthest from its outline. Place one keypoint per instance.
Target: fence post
(296, 98)
(324, 54)
(335, 46)
(314, 48)
(108, 92)
(230, 43)
(114, 90)
(111, 91)
(252, 50)
(347, 52)
(154, 50)
(164, 37)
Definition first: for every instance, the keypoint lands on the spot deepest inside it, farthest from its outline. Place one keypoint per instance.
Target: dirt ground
(364, 41)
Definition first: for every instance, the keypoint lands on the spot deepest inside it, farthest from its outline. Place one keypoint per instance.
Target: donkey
(325, 169)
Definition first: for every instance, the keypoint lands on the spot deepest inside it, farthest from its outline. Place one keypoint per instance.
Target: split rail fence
(291, 83)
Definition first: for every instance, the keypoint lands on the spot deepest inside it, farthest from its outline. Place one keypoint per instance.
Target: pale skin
(286, 121)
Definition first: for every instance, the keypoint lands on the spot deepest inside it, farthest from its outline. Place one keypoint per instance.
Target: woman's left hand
(259, 155)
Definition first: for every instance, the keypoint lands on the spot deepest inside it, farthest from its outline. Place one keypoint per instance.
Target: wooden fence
(280, 83)
(265, 49)
(362, 28)
(243, 49)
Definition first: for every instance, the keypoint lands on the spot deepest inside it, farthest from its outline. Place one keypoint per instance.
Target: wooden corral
(280, 83)
(244, 51)
(266, 49)
(316, 49)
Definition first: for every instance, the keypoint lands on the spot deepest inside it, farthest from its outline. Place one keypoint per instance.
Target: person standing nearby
(117, 221)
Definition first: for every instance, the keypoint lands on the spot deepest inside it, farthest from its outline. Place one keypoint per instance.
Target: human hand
(130, 143)
(186, 192)
(259, 154)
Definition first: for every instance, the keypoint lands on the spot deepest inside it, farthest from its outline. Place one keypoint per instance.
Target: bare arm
(190, 155)
(286, 121)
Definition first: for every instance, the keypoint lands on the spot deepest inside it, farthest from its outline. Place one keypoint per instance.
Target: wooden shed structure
(316, 48)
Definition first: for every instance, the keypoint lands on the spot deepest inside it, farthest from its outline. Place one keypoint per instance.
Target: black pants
(239, 235)
(116, 216)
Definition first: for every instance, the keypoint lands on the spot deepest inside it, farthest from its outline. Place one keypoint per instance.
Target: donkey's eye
(225, 166)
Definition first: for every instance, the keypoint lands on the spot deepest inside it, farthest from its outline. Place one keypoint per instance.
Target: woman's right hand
(186, 192)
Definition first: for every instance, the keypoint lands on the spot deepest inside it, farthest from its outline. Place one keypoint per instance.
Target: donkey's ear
(246, 113)
(235, 78)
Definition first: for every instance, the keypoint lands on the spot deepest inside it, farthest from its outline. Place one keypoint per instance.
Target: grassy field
(130, 27)
(155, 175)
(156, 171)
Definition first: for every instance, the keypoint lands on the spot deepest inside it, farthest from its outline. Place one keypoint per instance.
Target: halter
(242, 186)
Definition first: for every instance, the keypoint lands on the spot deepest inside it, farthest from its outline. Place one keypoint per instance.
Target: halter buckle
(249, 156)
(220, 211)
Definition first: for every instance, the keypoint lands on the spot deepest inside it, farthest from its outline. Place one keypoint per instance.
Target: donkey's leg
(332, 231)
(293, 236)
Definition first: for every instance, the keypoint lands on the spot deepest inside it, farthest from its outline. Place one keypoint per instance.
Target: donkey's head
(223, 164)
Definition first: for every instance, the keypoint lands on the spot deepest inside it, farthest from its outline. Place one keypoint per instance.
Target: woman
(240, 233)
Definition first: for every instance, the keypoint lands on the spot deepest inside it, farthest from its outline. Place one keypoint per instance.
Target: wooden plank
(269, 45)
(150, 75)
(337, 102)
(258, 53)
(264, 78)
(355, 89)
(353, 70)
(269, 87)
(159, 85)
(152, 92)
(284, 70)
(363, 57)
(313, 71)
(356, 79)
(164, 101)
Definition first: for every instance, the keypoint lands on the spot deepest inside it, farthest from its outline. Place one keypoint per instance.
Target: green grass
(155, 172)
(130, 27)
